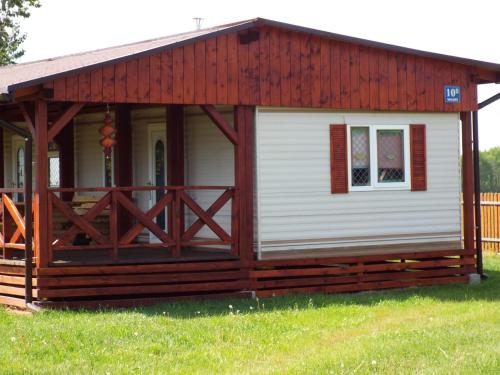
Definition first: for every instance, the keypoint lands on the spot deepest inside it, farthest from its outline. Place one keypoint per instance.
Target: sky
(459, 27)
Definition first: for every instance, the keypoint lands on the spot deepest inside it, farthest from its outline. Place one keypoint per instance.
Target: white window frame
(374, 183)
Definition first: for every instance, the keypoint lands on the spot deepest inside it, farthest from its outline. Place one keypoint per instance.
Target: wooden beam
(467, 181)
(28, 117)
(175, 157)
(42, 254)
(63, 120)
(485, 76)
(243, 164)
(65, 143)
(32, 93)
(122, 159)
(221, 123)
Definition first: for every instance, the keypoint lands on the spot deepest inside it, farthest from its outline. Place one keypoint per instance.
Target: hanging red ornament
(108, 131)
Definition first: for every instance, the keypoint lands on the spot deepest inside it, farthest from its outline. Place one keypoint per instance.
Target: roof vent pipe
(197, 21)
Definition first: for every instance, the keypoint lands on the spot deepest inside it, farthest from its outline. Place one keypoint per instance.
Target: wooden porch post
(175, 155)
(123, 161)
(41, 185)
(467, 181)
(243, 173)
(2, 160)
(65, 143)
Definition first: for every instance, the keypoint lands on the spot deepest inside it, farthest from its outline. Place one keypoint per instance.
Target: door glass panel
(20, 171)
(159, 170)
(54, 171)
(108, 171)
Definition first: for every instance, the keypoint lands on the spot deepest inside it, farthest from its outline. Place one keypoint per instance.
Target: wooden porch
(115, 228)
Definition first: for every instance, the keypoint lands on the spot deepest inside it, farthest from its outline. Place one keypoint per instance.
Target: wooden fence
(490, 220)
(490, 217)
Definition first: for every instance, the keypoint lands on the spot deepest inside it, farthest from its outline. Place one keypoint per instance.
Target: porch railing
(12, 219)
(113, 202)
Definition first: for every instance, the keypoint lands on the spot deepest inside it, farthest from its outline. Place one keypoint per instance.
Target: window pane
(360, 156)
(390, 156)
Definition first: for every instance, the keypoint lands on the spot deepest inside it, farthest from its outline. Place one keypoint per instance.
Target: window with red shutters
(378, 157)
(418, 152)
(338, 158)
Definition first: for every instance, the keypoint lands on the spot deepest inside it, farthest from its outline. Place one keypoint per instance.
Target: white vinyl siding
(209, 161)
(89, 157)
(297, 209)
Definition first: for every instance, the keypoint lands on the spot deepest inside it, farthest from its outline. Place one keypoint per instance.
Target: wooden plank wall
(281, 68)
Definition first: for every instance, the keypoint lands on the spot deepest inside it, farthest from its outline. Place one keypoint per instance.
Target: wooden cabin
(255, 157)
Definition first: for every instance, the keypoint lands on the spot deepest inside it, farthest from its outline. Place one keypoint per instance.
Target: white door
(18, 160)
(157, 170)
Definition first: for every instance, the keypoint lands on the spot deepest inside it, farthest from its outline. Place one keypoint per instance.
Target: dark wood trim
(65, 142)
(467, 180)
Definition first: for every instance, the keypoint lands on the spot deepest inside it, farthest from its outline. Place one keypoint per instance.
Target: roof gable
(22, 75)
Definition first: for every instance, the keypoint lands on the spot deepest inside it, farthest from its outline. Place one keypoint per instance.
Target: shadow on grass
(488, 290)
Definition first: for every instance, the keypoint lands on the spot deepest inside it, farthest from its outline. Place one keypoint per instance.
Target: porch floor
(139, 255)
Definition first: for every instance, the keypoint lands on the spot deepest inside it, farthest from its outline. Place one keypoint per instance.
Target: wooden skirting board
(129, 285)
(360, 273)
(12, 282)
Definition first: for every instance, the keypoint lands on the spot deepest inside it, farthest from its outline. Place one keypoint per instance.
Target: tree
(11, 37)
(489, 165)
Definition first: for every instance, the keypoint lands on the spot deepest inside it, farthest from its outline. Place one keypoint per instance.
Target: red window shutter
(338, 158)
(418, 152)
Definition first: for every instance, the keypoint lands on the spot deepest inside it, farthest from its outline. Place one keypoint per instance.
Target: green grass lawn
(433, 330)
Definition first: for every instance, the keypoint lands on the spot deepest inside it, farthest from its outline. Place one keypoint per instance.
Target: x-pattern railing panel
(173, 201)
(10, 213)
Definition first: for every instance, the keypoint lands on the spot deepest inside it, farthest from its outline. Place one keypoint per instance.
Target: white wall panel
(296, 207)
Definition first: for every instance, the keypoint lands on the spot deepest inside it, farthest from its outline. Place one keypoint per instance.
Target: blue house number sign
(452, 94)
